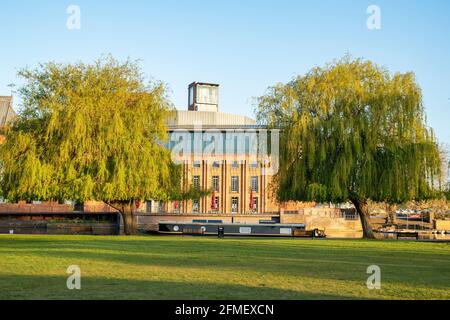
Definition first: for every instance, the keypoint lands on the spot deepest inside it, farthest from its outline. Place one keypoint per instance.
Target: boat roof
(235, 224)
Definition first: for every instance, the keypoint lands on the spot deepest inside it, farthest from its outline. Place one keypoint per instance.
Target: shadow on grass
(54, 288)
(276, 258)
(313, 265)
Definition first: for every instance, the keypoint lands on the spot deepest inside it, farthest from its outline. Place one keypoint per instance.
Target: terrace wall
(23, 207)
(441, 225)
(336, 222)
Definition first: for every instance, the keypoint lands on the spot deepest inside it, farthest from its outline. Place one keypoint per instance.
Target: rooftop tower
(203, 97)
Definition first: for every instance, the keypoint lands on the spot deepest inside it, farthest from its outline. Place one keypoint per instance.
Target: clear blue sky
(243, 45)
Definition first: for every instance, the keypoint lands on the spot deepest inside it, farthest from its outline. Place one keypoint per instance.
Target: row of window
(234, 205)
(159, 205)
(234, 165)
(234, 183)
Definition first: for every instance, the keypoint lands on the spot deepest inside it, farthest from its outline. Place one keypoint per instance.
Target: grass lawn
(166, 267)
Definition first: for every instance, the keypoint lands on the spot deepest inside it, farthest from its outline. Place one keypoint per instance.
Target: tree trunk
(363, 211)
(129, 225)
(127, 212)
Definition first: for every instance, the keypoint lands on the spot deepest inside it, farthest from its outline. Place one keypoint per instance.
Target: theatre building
(234, 159)
(218, 153)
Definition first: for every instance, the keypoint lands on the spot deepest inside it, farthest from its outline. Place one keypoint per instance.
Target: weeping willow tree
(351, 131)
(90, 132)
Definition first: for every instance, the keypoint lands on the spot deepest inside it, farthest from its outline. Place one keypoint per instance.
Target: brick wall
(23, 207)
(97, 206)
(49, 206)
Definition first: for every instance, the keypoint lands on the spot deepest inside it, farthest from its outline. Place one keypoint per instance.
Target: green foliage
(190, 194)
(352, 130)
(177, 192)
(447, 194)
(88, 132)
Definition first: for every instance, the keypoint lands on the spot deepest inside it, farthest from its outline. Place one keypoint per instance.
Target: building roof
(7, 113)
(204, 84)
(209, 120)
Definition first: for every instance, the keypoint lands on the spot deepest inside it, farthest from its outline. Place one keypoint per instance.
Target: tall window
(234, 184)
(215, 183)
(255, 204)
(207, 94)
(234, 204)
(195, 206)
(196, 182)
(161, 206)
(149, 206)
(216, 207)
(254, 184)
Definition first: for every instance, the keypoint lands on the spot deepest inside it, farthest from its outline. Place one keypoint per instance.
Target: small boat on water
(216, 227)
